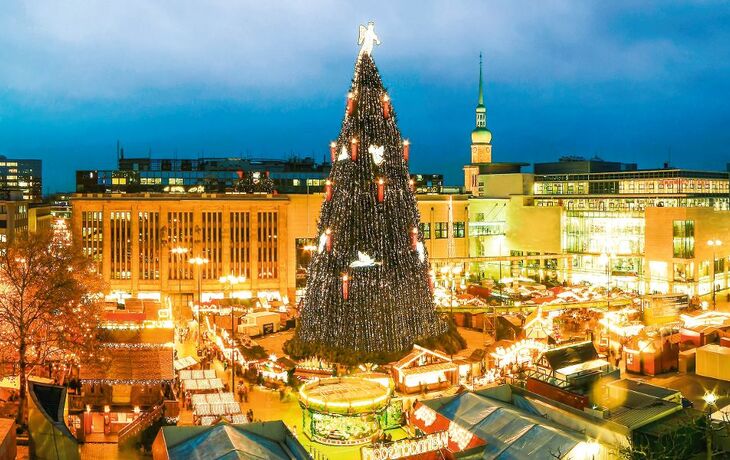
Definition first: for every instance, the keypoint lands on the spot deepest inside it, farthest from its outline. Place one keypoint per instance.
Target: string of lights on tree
(369, 288)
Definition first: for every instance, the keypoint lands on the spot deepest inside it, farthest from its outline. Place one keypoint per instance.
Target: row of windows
(441, 230)
(632, 186)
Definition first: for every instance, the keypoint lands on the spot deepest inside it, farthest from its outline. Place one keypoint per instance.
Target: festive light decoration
(425, 414)
(353, 149)
(333, 151)
(328, 190)
(345, 286)
(385, 103)
(406, 150)
(389, 304)
(350, 103)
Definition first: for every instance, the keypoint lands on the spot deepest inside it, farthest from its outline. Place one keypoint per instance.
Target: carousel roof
(344, 395)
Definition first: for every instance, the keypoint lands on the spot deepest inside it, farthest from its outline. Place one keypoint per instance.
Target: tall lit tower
(481, 139)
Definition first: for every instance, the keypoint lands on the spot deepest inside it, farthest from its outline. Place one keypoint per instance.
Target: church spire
(481, 84)
(481, 110)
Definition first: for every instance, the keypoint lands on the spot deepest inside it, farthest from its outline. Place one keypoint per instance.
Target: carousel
(345, 410)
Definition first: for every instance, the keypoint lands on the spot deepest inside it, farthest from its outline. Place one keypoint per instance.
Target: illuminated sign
(407, 447)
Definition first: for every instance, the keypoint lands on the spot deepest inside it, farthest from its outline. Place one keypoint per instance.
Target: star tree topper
(367, 38)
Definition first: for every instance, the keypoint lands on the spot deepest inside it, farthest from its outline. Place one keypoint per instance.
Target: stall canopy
(266, 440)
(184, 363)
(508, 433)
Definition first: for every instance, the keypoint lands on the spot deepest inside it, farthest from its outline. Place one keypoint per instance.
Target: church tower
(481, 141)
(481, 137)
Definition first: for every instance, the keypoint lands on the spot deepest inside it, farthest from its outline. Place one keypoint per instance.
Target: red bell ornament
(328, 190)
(406, 149)
(353, 149)
(345, 286)
(381, 190)
(328, 244)
(385, 103)
(350, 103)
(333, 151)
(414, 238)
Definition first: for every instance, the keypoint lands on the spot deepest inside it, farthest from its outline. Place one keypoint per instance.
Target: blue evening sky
(630, 81)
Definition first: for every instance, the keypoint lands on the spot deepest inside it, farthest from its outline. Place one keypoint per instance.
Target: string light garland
(386, 306)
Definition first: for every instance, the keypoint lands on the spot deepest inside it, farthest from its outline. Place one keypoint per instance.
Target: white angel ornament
(377, 152)
(367, 38)
(343, 154)
(363, 260)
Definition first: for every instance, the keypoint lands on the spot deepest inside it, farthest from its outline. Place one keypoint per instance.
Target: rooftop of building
(131, 365)
(232, 163)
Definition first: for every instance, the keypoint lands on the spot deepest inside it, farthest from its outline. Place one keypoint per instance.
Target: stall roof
(131, 366)
(569, 355)
(508, 433)
(270, 440)
(644, 388)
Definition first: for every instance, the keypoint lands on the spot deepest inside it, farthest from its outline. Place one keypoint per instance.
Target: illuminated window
(425, 228)
(441, 230)
(459, 230)
(683, 239)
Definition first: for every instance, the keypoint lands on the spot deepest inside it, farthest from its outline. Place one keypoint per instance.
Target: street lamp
(710, 399)
(199, 262)
(714, 244)
(179, 252)
(230, 281)
(606, 259)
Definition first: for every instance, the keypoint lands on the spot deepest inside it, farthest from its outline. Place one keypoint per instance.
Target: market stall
(345, 410)
(424, 370)
(652, 355)
(211, 406)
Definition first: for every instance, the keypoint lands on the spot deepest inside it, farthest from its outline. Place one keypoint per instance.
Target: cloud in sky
(86, 72)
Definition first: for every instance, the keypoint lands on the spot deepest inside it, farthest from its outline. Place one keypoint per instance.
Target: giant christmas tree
(369, 293)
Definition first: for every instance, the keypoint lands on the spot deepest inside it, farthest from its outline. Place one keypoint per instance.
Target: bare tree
(49, 304)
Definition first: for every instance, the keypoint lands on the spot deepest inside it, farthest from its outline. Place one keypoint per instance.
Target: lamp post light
(230, 281)
(710, 399)
(606, 259)
(714, 244)
(179, 252)
(199, 262)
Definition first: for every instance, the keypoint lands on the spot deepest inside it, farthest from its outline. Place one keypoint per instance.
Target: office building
(20, 179)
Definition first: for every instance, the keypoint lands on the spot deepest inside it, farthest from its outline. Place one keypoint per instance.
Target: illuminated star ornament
(377, 153)
(367, 38)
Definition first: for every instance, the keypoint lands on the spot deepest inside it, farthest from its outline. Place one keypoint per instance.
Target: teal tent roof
(264, 440)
